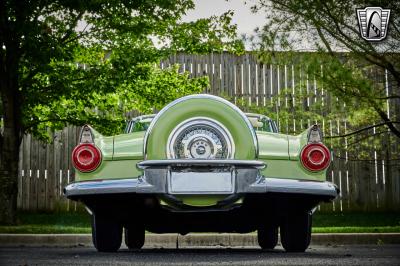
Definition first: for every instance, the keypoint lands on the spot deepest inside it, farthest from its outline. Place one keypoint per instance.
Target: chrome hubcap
(200, 138)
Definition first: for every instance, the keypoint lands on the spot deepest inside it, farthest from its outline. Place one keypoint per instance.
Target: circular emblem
(200, 138)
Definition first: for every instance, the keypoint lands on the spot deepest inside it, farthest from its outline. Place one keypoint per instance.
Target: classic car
(201, 165)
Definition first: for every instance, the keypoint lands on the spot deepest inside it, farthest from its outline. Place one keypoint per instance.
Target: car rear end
(202, 165)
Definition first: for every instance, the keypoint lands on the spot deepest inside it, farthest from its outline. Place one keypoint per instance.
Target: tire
(296, 232)
(134, 237)
(106, 234)
(267, 236)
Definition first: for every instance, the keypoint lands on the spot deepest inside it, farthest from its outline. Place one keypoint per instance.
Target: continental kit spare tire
(219, 115)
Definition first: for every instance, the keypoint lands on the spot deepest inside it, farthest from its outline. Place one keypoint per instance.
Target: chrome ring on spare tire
(200, 138)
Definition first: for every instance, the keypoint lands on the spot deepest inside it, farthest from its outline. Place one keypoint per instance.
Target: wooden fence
(370, 185)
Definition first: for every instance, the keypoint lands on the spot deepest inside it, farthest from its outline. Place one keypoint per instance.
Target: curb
(194, 240)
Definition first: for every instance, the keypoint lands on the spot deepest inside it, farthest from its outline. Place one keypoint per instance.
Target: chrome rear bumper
(160, 175)
(207, 177)
(139, 185)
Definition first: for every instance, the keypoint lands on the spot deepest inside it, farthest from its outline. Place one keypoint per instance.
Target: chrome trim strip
(141, 117)
(201, 96)
(201, 162)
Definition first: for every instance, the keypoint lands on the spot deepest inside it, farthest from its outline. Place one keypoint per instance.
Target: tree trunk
(11, 98)
(9, 146)
(8, 177)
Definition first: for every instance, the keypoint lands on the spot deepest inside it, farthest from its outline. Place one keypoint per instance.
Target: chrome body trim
(201, 162)
(315, 134)
(200, 96)
(86, 135)
(141, 117)
(257, 115)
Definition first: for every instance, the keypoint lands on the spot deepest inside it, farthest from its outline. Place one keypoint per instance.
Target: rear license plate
(201, 182)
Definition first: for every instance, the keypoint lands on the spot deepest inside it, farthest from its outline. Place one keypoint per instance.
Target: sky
(245, 20)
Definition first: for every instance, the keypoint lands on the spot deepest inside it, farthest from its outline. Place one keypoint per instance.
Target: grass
(44, 229)
(79, 223)
(363, 219)
(48, 223)
(356, 223)
(357, 229)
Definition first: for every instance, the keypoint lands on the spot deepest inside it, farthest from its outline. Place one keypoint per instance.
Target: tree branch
(388, 122)
(72, 27)
(368, 136)
(324, 40)
(363, 129)
(389, 97)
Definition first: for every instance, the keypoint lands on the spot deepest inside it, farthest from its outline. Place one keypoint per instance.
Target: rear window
(262, 123)
(138, 124)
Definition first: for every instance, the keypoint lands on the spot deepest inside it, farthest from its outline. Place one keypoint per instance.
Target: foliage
(106, 110)
(89, 61)
(297, 108)
(215, 34)
(350, 63)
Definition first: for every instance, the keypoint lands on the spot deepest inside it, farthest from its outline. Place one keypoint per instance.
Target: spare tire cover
(206, 106)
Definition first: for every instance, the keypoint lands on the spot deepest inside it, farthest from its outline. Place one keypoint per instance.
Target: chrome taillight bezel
(86, 144)
(90, 166)
(315, 166)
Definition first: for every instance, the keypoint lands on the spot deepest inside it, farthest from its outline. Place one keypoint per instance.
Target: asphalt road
(316, 255)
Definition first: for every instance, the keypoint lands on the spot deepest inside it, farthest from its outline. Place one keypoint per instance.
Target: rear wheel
(296, 232)
(106, 234)
(267, 236)
(134, 236)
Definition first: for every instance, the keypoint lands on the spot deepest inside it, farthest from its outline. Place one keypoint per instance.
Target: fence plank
(50, 173)
(41, 176)
(27, 171)
(20, 175)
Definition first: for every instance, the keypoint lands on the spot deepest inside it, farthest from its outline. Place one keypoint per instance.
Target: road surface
(315, 255)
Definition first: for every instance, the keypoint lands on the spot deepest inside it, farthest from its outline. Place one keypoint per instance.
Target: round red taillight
(315, 157)
(86, 157)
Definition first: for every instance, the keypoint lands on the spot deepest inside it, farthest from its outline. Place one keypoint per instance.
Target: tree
(297, 108)
(330, 28)
(89, 62)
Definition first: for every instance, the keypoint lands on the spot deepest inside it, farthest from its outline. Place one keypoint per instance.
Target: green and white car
(201, 165)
